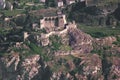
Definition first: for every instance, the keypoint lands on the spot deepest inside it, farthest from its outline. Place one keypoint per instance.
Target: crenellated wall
(53, 22)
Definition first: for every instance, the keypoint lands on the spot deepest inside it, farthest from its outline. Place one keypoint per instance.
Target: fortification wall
(53, 22)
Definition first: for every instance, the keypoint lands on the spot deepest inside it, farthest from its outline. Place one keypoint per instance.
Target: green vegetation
(118, 41)
(22, 9)
(12, 13)
(97, 32)
(33, 7)
(69, 57)
(4, 31)
(61, 63)
(102, 50)
(50, 3)
(106, 65)
(113, 1)
(106, 2)
(56, 67)
(65, 48)
(34, 49)
(114, 77)
(57, 45)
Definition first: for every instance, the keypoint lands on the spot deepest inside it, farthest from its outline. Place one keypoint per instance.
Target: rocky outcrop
(30, 67)
(93, 64)
(85, 68)
(115, 69)
(80, 41)
(88, 66)
(23, 69)
(106, 41)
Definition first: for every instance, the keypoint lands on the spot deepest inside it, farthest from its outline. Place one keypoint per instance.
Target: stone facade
(26, 35)
(53, 22)
(60, 3)
(70, 2)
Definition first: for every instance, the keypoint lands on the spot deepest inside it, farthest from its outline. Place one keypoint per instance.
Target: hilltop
(72, 41)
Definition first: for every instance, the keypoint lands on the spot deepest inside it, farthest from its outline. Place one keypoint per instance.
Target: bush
(98, 34)
(56, 43)
(117, 42)
(37, 50)
(20, 20)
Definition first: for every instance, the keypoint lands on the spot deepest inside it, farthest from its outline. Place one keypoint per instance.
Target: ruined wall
(53, 22)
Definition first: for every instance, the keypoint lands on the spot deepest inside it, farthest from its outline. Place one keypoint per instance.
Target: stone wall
(53, 22)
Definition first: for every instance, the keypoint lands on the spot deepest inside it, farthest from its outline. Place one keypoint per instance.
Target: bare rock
(80, 41)
(30, 67)
(10, 59)
(92, 67)
(70, 65)
(108, 41)
(23, 69)
(115, 69)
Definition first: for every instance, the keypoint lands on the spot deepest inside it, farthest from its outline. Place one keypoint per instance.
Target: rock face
(93, 65)
(23, 69)
(115, 69)
(80, 41)
(108, 41)
(91, 70)
(30, 67)
(9, 65)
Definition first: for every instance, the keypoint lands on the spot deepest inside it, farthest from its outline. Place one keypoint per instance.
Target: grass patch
(37, 50)
(117, 42)
(12, 13)
(60, 63)
(56, 43)
(98, 32)
(68, 57)
(65, 48)
(4, 31)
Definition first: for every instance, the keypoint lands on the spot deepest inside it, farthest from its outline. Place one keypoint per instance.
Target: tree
(50, 3)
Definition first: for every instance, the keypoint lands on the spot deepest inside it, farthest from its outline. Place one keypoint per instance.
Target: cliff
(17, 68)
(66, 58)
